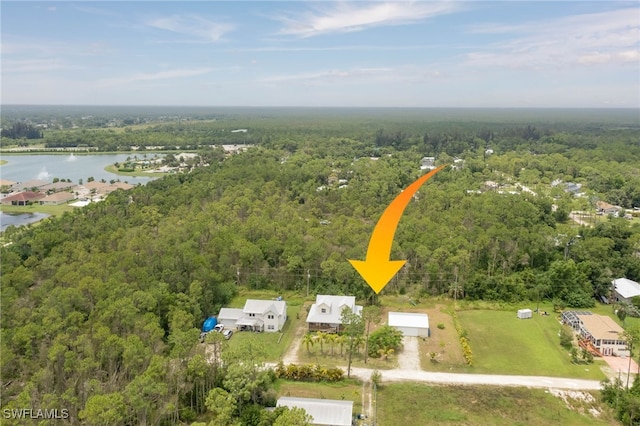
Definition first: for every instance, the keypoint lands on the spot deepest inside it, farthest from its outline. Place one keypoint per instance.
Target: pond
(18, 219)
(24, 167)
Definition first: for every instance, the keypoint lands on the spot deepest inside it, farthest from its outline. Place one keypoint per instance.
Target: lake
(17, 219)
(24, 167)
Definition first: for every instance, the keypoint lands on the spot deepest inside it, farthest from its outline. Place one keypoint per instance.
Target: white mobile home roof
(626, 287)
(408, 319)
(324, 411)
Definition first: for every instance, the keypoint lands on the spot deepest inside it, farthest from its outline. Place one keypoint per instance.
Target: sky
(322, 54)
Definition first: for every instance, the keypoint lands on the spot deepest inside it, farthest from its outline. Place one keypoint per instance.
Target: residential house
(599, 332)
(323, 412)
(428, 163)
(624, 289)
(57, 198)
(326, 313)
(257, 315)
(6, 187)
(29, 185)
(23, 198)
(606, 208)
(56, 187)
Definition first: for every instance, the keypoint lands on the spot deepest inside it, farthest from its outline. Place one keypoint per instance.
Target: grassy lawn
(418, 404)
(274, 344)
(37, 208)
(503, 344)
(324, 358)
(146, 173)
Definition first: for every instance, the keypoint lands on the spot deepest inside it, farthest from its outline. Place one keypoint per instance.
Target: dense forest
(101, 306)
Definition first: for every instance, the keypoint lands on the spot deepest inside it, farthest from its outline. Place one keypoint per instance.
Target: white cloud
(611, 37)
(193, 26)
(355, 16)
(161, 75)
(362, 75)
(32, 65)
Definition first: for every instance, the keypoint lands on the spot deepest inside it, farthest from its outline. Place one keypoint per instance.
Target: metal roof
(333, 305)
(626, 287)
(408, 319)
(254, 306)
(324, 411)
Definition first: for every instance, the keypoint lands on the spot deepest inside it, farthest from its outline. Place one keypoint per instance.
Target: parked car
(218, 328)
(227, 334)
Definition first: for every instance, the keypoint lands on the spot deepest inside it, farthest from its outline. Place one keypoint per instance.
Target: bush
(383, 339)
(566, 338)
(441, 326)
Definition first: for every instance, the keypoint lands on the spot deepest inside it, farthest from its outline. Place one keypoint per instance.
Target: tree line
(101, 307)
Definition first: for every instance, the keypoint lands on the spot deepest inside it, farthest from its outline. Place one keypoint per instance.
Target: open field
(418, 404)
(146, 173)
(503, 344)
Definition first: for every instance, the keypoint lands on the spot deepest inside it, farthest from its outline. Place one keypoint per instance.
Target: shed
(330, 412)
(410, 323)
(525, 313)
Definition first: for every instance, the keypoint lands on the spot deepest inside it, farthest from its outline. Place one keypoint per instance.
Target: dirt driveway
(409, 357)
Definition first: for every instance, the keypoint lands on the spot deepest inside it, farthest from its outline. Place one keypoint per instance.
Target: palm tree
(309, 341)
(321, 339)
(341, 339)
(331, 339)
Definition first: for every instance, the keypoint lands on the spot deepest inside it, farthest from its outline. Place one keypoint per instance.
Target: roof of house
(95, 185)
(59, 196)
(263, 306)
(601, 327)
(58, 186)
(408, 319)
(24, 196)
(626, 287)
(606, 206)
(335, 312)
(34, 183)
(324, 411)
(122, 185)
(230, 313)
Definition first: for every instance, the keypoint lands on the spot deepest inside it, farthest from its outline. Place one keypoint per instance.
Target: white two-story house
(326, 314)
(257, 315)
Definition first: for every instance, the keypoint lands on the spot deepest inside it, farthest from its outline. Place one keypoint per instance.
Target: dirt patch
(443, 342)
(577, 400)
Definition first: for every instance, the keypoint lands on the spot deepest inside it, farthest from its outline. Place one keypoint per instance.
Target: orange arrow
(377, 270)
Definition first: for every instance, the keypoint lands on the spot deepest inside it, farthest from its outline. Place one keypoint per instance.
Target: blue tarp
(209, 324)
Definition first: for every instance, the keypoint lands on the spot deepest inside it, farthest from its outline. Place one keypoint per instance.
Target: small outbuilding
(410, 323)
(525, 313)
(325, 412)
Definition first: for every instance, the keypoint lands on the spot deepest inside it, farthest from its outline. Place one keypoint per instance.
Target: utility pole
(308, 277)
